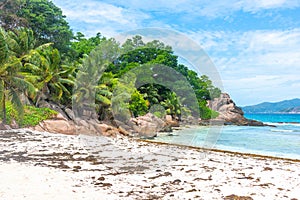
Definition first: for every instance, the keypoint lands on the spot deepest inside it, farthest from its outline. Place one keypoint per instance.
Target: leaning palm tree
(43, 67)
(87, 87)
(12, 83)
(104, 93)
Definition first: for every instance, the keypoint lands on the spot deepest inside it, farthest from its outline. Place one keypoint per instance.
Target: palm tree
(87, 87)
(43, 67)
(104, 93)
(172, 105)
(12, 83)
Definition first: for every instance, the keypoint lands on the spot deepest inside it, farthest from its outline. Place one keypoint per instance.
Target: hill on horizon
(286, 106)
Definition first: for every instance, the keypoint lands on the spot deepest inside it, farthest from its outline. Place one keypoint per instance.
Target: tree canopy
(42, 16)
(48, 23)
(40, 55)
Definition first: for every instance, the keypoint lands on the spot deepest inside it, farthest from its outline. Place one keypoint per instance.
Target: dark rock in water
(203, 122)
(190, 120)
(288, 122)
(166, 128)
(229, 113)
(255, 123)
(212, 122)
(148, 137)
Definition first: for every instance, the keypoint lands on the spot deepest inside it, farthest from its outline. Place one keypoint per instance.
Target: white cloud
(101, 17)
(259, 62)
(112, 16)
(207, 8)
(261, 88)
(256, 5)
(274, 40)
(119, 16)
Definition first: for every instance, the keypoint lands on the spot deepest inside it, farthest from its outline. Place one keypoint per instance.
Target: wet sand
(38, 165)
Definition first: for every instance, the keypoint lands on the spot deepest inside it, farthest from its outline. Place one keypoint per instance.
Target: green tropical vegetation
(31, 116)
(42, 60)
(12, 83)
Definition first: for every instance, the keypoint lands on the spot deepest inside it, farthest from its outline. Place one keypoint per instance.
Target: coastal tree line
(40, 58)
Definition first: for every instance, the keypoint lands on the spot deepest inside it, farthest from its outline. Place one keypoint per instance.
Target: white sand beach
(37, 165)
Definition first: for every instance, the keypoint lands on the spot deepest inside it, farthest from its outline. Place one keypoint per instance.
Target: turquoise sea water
(280, 141)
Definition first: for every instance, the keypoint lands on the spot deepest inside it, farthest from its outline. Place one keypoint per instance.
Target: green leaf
(3, 48)
(103, 100)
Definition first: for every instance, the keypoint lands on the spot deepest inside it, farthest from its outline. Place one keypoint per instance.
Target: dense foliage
(40, 58)
(42, 16)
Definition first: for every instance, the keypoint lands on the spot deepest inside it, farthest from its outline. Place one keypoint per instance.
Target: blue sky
(254, 44)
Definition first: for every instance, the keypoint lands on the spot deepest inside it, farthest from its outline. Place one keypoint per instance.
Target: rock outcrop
(56, 126)
(60, 124)
(147, 126)
(229, 113)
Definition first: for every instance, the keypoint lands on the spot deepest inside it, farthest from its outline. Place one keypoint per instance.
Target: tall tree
(48, 23)
(9, 14)
(83, 46)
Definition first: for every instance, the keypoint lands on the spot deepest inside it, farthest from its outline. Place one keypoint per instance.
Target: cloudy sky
(254, 44)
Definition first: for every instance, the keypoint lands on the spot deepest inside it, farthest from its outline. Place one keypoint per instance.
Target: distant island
(286, 106)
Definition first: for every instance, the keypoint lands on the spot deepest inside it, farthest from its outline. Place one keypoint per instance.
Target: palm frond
(57, 87)
(66, 81)
(24, 86)
(106, 93)
(3, 49)
(65, 90)
(44, 46)
(103, 100)
(32, 67)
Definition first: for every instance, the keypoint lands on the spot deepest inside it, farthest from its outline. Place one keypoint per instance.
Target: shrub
(32, 115)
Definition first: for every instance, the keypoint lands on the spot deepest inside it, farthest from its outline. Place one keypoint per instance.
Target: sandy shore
(38, 165)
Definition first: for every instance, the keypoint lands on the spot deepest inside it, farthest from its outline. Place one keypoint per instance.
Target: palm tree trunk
(4, 108)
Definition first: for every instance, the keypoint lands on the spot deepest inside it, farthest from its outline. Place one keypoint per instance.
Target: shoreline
(236, 150)
(253, 155)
